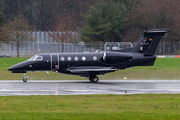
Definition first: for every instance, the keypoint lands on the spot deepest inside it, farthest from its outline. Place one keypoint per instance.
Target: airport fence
(44, 44)
(168, 48)
(34, 48)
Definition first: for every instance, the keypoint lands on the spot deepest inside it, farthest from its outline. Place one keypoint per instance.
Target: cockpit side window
(35, 58)
(32, 58)
(39, 58)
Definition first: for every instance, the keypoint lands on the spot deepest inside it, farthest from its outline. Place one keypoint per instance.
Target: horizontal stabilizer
(157, 31)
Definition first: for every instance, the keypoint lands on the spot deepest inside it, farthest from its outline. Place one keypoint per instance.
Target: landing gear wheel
(94, 79)
(24, 79)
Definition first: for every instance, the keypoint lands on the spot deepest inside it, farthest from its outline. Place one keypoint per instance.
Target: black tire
(24, 79)
(94, 79)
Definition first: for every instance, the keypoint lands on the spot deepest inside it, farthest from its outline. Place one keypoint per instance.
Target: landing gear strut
(25, 78)
(93, 79)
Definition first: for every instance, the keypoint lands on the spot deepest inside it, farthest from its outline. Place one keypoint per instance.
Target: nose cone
(18, 68)
(14, 67)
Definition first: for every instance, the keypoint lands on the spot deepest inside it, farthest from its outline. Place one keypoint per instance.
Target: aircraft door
(54, 62)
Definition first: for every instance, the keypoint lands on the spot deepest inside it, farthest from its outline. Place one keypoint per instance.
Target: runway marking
(78, 90)
(27, 90)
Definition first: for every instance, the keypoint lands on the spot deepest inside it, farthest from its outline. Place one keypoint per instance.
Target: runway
(79, 87)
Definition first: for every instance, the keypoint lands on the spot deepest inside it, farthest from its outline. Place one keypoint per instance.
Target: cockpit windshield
(35, 58)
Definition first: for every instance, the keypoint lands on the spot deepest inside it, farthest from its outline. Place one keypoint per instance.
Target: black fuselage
(92, 64)
(64, 62)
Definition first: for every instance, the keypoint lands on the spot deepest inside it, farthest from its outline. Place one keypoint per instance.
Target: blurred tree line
(45, 13)
(93, 20)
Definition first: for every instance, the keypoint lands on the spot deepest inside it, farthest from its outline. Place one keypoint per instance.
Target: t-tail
(149, 41)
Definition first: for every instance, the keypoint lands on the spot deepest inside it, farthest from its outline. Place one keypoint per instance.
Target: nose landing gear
(25, 78)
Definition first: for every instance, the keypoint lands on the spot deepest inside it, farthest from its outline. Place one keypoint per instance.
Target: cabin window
(62, 58)
(95, 58)
(83, 58)
(69, 58)
(76, 58)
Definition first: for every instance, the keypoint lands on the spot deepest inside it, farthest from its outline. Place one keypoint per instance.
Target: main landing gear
(25, 78)
(93, 79)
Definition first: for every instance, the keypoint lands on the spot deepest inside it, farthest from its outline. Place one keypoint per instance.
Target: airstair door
(54, 61)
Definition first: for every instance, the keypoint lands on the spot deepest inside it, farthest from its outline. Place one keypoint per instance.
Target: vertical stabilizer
(149, 41)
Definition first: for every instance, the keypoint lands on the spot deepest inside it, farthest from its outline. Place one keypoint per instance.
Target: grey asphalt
(78, 87)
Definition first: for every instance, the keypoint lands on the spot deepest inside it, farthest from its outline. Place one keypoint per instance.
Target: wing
(87, 69)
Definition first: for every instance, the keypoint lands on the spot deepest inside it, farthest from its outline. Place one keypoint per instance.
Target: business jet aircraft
(92, 64)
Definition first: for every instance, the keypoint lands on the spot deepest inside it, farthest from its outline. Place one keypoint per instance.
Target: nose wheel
(93, 79)
(25, 78)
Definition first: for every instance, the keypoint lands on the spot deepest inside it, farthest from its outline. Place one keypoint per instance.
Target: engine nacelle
(115, 57)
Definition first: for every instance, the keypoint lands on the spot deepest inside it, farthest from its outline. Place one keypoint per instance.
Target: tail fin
(149, 41)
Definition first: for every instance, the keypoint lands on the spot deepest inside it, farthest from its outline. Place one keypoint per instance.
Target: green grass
(91, 107)
(163, 69)
(5, 63)
(94, 107)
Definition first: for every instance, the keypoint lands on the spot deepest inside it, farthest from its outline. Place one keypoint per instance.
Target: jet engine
(115, 57)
